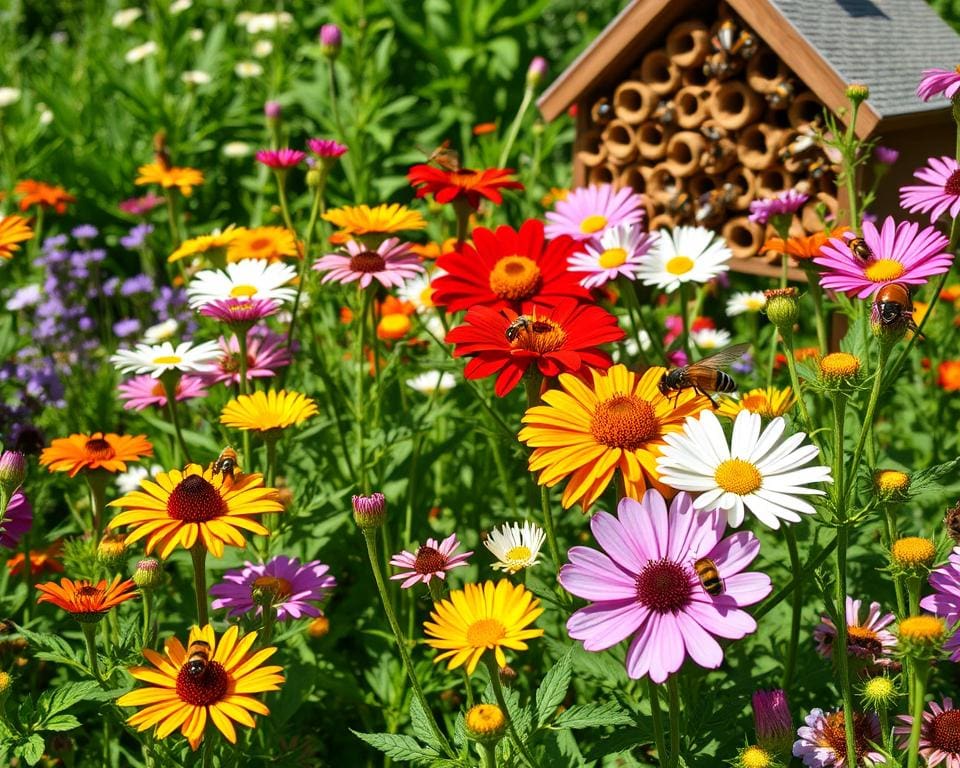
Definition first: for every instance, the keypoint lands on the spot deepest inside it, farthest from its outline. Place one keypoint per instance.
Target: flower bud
(772, 720)
(148, 573)
(112, 552)
(886, 155)
(858, 92)
(272, 110)
(369, 512)
(315, 178)
(913, 555)
(537, 71)
(485, 723)
(921, 636)
(331, 40)
(891, 484)
(879, 693)
(13, 471)
(783, 308)
(319, 627)
(839, 366)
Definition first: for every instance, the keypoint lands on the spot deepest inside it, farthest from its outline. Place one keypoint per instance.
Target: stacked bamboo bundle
(709, 122)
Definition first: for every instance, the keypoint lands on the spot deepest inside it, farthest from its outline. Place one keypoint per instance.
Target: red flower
(446, 186)
(559, 339)
(506, 268)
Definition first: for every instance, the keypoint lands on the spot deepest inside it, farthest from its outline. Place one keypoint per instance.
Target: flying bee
(704, 376)
(198, 657)
(860, 249)
(893, 305)
(444, 156)
(525, 323)
(226, 463)
(709, 576)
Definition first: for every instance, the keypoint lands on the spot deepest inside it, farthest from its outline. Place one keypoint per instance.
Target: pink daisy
(326, 147)
(141, 392)
(822, 741)
(17, 521)
(902, 253)
(280, 159)
(587, 212)
(293, 586)
(940, 194)
(939, 734)
(390, 264)
(643, 584)
(141, 206)
(619, 253)
(937, 81)
(267, 352)
(788, 202)
(432, 560)
(240, 314)
(868, 640)
(945, 581)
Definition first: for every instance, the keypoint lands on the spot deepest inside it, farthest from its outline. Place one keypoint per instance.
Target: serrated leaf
(32, 750)
(420, 722)
(53, 643)
(553, 689)
(593, 715)
(397, 746)
(61, 698)
(62, 722)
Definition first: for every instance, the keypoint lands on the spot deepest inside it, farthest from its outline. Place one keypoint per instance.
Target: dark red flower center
(88, 590)
(952, 185)
(231, 363)
(624, 421)
(429, 560)
(98, 448)
(664, 586)
(195, 500)
(368, 261)
(834, 734)
(945, 731)
(206, 687)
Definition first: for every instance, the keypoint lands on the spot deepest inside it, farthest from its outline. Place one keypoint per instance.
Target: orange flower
(97, 451)
(427, 251)
(45, 195)
(482, 129)
(85, 601)
(271, 243)
(803, 248)
(951, 293)
(463, 184)
(948, 375)
(805, 353)
(13, 231)
(167, 177)
(40, 560)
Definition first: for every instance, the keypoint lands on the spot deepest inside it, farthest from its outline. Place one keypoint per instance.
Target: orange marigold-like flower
(45, 195)
(40, 560)
(97, 451)
(13, 231)
(948, 375)
(803, 248)
(271, 243)
(167, 177)
(85, 601)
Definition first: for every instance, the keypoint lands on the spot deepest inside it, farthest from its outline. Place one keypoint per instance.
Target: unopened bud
(537, 71)
(314, 178)
(891, 484)
(485, 723)
(148, 574)
(921, 636)
(858, 92)
(331, 40)
(369, 512)
(112, 552)
(13, 471)
(913, 555)
(783, 308)
(879, 693)
(319, 627)
(272, 110)
(772, 720)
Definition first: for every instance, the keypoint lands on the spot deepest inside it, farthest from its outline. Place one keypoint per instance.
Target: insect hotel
(705, 106)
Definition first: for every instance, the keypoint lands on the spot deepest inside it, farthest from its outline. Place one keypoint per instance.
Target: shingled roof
(828, 43)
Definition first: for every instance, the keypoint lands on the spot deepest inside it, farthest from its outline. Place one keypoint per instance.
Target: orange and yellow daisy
(206, 244)
(768, 402)
(47, 196)
(480, 618)
(40, 560)
(213, 681)
(617, 420)
(100, 450)
(381, 219)
(185, 179)
(197, 504)
(269, 411)
(85, 601)
(13, 231)
(271, 243)
(802, 248)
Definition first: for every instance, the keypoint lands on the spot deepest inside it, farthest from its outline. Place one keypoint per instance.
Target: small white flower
(711, 338)
(195, 77)
(429, 382)
(129, 481)
(179, 6)
(141, 52)
(46, 116)
(28, 296)
(417, 290)
(746, 301)
(247, 69)
(632, 346)
(516, 547)
(158, 359)
(195, 35)
(161, 331)
(123, 18)
(237, 149)
(262, 49)
(684, 255)
(246, 279)
(9, 96)
(266, 22)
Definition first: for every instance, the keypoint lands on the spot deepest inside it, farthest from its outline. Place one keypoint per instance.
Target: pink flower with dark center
(326, 147)
(945, 603)
(267, 352)
(17, 521)
(586, 213)
(940, 193)
(140, 206)
(643, 584)
(280, 159)
(937, 81)
(290, 586)
(939, 734)
(240, 314)
(788, 202)
(867, 639)
(822, 742)
(390, 264)
(430, 561)
(901, 253)
(141, 392)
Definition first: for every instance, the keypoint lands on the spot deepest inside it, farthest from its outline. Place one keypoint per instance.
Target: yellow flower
(769, 402)
(839, 365)
(480, 618)
(890, 482)
(268, 411)
(913, 552)
(13, 231)
(271, 243)
(206, 243)
(167, 177)
(364, 220)
(485, 722)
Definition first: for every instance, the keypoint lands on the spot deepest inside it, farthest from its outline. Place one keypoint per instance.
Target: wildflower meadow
(339, 427)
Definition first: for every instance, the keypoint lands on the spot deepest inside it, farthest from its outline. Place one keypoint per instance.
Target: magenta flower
(822, 741)
(331, 37)
(788, 202)
(868, 639)
(292, 588)
(586, 213)
(326, 147)
(939, 734)
(272, 110)
(902, 253)
(141, 392)
(937, 81)
(240, 314)
(940, 193)
(17, 521)
(280, 159)
(945, 581)
(885, 155)
(772, 720)
(643, 584)
(432, 560)
(390, 264)
(267, 352)
(141, 206)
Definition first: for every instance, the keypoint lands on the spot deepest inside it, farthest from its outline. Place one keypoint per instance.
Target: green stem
(885, 729)
(794, 583)
(97, 483)
(502, 703)
(674, 701)
(921, 672)
(199, 554)
(208, 752)
(515, 127)
(172, 217)
(269, 620)
(685, 320)
(243, 385)
(170, 389)
(532, 385)
(462, 210)
(334, 109)
(466, 684)
(304, 265)
(850, 169)
(147, 606)
(795, 382)
(890, 533)
(90, 638)
(913, 593)
(840, 646)
(796, 606)
(656, 338)
(284, 205)
(867, 427)
(361, 403)
(489, 755)
(655, 714)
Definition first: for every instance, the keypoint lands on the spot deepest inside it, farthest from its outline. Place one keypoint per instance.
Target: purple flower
(331, 38)
(820, 743)
(432, 560)
(140, 206)
(110, 286)
(886, 155)
(789, 202)
(537, 71)
(136, 285)
(272, 110)
(940, 192)
(772, 720)
(291, 587)
(945, 603)
(127, 327)
(84, 232)
(280, 159)
(937, 81)
(743, 365)
(326, 147)
(17, 521)
(136, 237)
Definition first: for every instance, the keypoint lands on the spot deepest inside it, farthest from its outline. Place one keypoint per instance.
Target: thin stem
(97, 485)
(462, 209)
(147, 606)
(334, 109)
(360, 394)
(304, 265)
(796, 606)
(795, 381)
(532, 384)
(199, 554)
(244, 363)
(658, 736)
(921, 672)
(489, 755)
(284, 205)
(840, 647)
(269, 620)
(502, 703)
(90, 638)
(685, 320)
(789, 587)
(816, 293)
(890, 534)
(515, 127)
(867, 428)
(208, 753)
(170, 389)
(913, 594)
(172, 217)
(674, 699)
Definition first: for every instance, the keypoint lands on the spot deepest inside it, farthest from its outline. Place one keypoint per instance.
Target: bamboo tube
(809, 217)
(661, 184)
(633, 102)
(592, 151)
(606, 173)
(690, 104)
(805, 110)
(632, 177)
(719, 156)
(773, 180)
(663, 221)
(683, 153)
(743, 236)
(620, 141)
(757, 146)
(602, 111)
(652, 140)
(777, 117)
(688, 43)
(694, 76)
(744, 182)
(733, 105)
(660, 72)
(701, 184)
(765, 71)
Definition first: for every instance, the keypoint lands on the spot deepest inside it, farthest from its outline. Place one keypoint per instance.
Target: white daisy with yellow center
(418, 290)
(746, 301)
(756, 471)
(684, 255)
(516, 546)
(157, 359)
(711, 339)
(245, 279)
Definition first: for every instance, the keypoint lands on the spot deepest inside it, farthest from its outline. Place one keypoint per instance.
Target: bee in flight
(444, 156)
(709, 576)
(860, 249)
(704, 376)
(198, 657)
(226, 463)
(525, 323)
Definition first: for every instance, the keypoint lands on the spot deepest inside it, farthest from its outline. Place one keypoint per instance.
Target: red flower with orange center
(447, 186)
(85, 601)
(505, 268)
(803, 248)
(97, 451)
(561, 339)
(45, 195)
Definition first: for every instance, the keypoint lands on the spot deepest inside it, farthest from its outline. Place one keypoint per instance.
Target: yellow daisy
(586, 431)
(364, 220)
(271, 243)
(206, 243)
(185, 179)
(206, 680)
(268, 411)
(13, 231)
(768, 402)
(482, 617)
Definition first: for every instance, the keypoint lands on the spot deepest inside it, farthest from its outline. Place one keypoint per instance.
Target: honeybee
(893, 305)
(860, 249)
(704, 376)
(709, 576)
(227, 463)
(525, 323)
(782, 95)
(444, 156)
(198, 656)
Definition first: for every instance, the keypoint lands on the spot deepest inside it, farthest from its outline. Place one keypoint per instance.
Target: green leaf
(32, 751)
(397, 746)
(420, 722)
(593, 715)
(55, 700)
(62, 722)
(553, 689)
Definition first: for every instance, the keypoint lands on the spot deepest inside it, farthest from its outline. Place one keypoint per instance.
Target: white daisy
(417, 290)
(9, 96)
(123, 18)
(196, 77)
(195, 35)
(234, 149)
(756, 472)
(746, 301)
(129, 481)
(711, 338)
(245, 279)
(620, 253)
(262, 49)
(684, 255)
(430, 381)
(247, 69)
(161, 358)
(515, 546)
(140, 52)
(179, 6)
(161, 331)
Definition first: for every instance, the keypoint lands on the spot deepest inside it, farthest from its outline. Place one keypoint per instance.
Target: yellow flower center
(394, 326)
(540, 335)
(426, 297)
(485, 633)
(624, 421)
(520, 553)
(515, 278)
(755, 305)
(613, 258)
(243, 291)
(593, 224)
(738, 476)
(882, 270)
(891, 480)
(755, 757)
(923, 629)
(913, 551)
(864, 637)
(840, 364)
(167, 360)
(484, 719)
(679, 265)
(878, 688)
